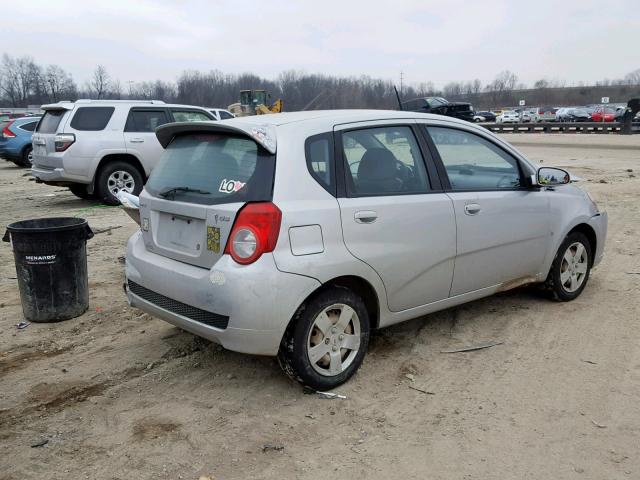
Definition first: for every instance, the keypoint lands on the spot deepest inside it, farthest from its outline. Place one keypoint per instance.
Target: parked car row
(6, 116)
(594, 113)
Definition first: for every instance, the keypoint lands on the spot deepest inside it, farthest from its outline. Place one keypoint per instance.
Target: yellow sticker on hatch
(213, 239)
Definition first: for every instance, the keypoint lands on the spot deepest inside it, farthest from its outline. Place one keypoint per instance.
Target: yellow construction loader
(254, 102)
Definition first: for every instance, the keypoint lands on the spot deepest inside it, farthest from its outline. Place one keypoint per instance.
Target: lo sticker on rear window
(230, 186)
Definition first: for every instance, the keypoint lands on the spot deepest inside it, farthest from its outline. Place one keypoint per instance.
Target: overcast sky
(438, 41)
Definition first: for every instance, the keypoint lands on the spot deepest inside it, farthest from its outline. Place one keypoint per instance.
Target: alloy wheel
(334, 339)
(574, 266)
(120, 180)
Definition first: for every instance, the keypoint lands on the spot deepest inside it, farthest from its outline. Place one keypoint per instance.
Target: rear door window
(384, 161)
(29, 126)
(145, 120)
(50, 121)
(91, 119)
(221, 168)
(190, 116)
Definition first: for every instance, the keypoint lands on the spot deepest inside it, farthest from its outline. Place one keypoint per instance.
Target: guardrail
(559, 127)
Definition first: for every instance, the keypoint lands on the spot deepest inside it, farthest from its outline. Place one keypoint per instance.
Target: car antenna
(398, 97)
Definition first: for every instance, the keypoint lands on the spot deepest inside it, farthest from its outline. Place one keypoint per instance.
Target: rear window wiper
(172, 191)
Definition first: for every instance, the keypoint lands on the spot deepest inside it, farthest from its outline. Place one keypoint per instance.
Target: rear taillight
(64, 141)
(255, 231)
(6, 133)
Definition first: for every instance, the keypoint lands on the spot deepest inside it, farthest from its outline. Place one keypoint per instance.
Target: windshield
(211, 168)
(259, 98)
(436, 101)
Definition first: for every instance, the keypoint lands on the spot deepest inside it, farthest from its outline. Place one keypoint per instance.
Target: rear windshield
(50, 121)
(222, 168)
(91, 118)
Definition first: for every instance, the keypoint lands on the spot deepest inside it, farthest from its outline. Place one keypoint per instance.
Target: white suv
(99, 147)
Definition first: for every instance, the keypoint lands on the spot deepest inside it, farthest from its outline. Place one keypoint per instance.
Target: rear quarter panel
(84, 156)
(304, 202)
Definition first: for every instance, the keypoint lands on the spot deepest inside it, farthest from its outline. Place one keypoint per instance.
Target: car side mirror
(549, 177)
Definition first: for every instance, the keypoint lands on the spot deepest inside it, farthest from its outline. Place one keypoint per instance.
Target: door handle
(136, 140)
(365, 216)
(472, 208)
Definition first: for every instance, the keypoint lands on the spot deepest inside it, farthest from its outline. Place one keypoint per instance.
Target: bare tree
(100, 82)
(453, 89)
(633, 78)
(59, 84)
(20, 80)
(542, 83)
(115, 90)
(9, 82)
(23, 82)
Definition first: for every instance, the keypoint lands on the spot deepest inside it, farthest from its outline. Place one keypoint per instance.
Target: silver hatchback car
(297, 234)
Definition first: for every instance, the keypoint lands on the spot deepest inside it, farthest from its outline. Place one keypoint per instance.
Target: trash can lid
(52, 224)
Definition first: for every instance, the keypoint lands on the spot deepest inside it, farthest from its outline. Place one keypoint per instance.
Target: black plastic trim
(201, 316)
(331, 188)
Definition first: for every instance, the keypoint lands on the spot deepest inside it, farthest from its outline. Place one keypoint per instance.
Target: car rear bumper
(56, 176)
(244, 308)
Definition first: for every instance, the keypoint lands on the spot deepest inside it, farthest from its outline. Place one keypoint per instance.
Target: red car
(604, 114)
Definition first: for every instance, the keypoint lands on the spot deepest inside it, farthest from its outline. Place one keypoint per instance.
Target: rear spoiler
(58, 106)
(263, 134)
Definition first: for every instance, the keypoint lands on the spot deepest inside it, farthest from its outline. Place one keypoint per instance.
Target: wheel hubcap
(334, 340)
(120, 180)
(573, 268)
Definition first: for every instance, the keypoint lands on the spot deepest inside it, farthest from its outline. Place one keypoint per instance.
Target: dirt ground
(121, 395)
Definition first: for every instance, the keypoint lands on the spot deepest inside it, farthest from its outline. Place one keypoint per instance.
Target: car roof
(335, 117)
(262, 128)
(65, 105)
(21, 120)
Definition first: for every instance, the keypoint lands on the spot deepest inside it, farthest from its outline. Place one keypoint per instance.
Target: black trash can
(51, 266)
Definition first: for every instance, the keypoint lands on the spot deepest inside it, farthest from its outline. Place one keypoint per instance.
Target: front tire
(116, 176)
(571, 267)
(327, 339)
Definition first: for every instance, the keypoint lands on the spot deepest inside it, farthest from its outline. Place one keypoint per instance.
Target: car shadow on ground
(478, 321)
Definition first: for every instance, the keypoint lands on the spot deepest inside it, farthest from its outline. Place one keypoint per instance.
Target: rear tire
(25, 158)
(570, 269)
(327, 339)
(116, 176)
(80, 191)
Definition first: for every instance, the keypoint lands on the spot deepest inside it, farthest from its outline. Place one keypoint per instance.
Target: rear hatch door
(193, 195)
(52, 122)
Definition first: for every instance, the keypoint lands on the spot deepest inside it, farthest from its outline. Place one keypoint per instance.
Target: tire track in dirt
(53, 398)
